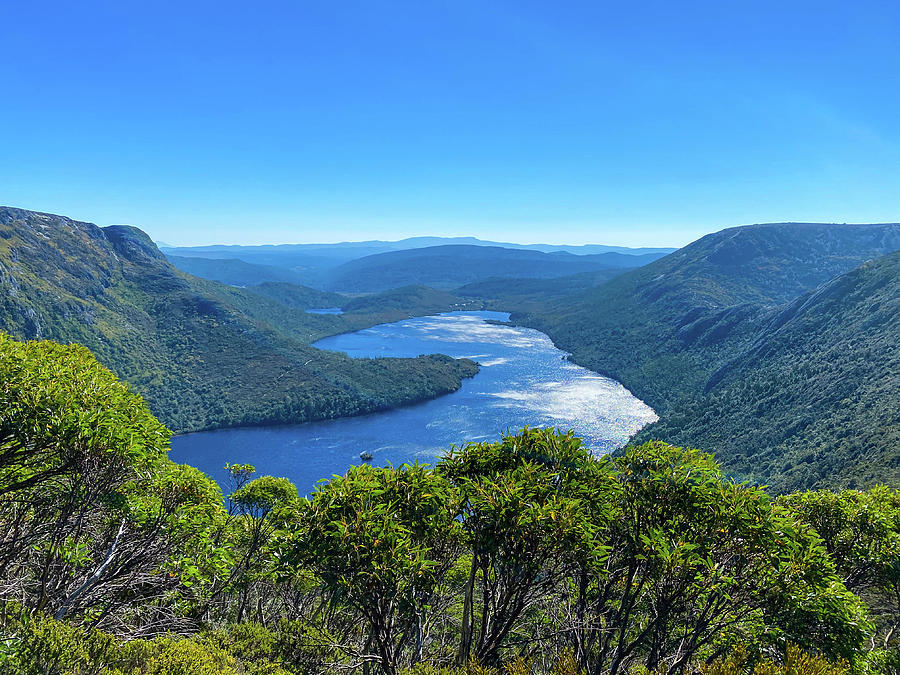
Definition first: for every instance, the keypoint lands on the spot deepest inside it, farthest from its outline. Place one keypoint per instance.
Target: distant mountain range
(448, 267)
(356, 249)
(319, 265)
(203, 354)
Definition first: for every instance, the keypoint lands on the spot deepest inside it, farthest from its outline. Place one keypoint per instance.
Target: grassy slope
(201, 353)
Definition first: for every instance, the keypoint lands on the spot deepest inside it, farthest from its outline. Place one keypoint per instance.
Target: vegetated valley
(773, 347)
(776, 346)
(201, 353)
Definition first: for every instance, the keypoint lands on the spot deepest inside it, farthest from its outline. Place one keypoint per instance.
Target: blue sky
(633, 123)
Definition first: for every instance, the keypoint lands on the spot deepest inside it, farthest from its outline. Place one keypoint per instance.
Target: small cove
(524, 380)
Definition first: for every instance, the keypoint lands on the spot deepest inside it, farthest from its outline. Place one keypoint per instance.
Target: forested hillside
(672, 330)
(447, 267)
(299, 297)
(526, 294)
(203, 354)
(237, 272)
(410, 301)
(524, 556)
(815, 398)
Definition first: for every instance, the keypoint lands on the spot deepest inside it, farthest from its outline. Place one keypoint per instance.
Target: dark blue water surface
(524, 380)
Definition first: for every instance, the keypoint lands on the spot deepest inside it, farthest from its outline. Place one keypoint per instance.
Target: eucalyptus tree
(523, 526)
(696, 563)
(98, 523)
(380, 540)
(861, 531)
(265, 505)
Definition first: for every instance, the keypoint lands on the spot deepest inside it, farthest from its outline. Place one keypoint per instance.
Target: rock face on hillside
(134, 245)
(202, 354)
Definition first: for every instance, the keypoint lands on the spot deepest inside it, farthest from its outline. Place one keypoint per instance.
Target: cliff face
(201, 353)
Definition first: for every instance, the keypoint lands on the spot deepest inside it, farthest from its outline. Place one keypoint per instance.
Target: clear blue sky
(635, 123)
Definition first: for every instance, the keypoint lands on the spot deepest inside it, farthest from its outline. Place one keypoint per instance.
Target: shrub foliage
(528, 555)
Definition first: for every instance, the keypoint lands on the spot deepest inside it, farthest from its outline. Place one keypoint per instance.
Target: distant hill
(447, 267)
(667, 330)
(236, 272)
(410, 301)
(391, 305)
(299, 297)
(525, 293)
(202, 354)
(310, 263)
(814, 399)
(297, 267)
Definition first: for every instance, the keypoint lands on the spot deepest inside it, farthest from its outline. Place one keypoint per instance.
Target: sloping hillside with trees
(203, 354)
(750, 341)
(815, 398)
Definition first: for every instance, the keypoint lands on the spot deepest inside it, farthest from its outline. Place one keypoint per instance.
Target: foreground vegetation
(526, 555)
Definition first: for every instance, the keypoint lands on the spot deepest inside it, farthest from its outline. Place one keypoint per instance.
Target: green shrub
(37, 644)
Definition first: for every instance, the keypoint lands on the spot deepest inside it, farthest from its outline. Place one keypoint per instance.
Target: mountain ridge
(202, 354)
(451, 266)
(666, 329)
(417, 242)
(812, 401)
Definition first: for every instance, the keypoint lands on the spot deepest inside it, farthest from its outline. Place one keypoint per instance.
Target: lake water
(524, 380)
(325, 310)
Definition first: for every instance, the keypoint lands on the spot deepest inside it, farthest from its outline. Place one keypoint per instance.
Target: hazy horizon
(169, 244)
(549, 240)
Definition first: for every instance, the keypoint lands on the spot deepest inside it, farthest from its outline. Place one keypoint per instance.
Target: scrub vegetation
(527, 555)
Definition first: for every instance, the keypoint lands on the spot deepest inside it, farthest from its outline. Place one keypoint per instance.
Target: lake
(524, 380)
(325, 310)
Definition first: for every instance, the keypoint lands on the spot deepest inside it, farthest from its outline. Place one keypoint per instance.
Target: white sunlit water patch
(524, 380)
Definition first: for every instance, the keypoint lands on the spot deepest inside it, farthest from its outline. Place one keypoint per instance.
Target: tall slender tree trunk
(465, 639)
(419, 638)
(580, 629)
